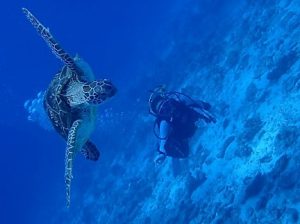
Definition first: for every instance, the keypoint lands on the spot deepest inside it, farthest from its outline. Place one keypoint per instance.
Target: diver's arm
(164, 129)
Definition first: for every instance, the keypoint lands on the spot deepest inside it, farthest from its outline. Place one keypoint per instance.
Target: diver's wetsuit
(176, 121)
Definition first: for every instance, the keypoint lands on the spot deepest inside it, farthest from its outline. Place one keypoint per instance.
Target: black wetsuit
(181, 118)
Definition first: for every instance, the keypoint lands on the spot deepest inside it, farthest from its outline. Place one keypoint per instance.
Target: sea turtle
(70, 102)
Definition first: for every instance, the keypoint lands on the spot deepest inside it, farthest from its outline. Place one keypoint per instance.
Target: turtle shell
(59, 111)
(55, 103)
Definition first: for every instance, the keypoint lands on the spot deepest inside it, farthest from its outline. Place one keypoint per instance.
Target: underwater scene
(150, 112)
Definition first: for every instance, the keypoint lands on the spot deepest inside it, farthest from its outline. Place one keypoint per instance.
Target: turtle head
(96, 92)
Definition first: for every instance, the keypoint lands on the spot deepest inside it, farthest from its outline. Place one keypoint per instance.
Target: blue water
(242, 57)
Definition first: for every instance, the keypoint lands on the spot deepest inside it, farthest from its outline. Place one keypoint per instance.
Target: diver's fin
(90, 151)
(49, 39)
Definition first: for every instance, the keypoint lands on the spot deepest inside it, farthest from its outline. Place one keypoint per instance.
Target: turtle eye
(86, 88)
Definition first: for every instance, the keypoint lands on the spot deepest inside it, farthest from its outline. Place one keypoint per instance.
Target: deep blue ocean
(240, 56)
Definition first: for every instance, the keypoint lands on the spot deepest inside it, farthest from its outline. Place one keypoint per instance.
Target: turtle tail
(70, 153)
(49, 39)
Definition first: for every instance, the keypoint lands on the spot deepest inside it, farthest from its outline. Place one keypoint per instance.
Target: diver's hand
(160, 158)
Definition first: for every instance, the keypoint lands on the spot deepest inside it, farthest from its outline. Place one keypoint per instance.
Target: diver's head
(156, 98)
(154, 103)
(96, 92)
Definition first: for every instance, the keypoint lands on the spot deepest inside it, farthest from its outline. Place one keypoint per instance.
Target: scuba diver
(176, 115)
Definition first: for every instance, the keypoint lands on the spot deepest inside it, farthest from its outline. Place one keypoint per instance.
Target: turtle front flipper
(72, 148)
(90, 151)
(49, 39)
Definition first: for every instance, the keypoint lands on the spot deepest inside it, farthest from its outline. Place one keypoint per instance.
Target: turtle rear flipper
(90, 151)
(49, 39)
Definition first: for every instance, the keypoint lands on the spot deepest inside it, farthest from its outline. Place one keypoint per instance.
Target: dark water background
(115, 37)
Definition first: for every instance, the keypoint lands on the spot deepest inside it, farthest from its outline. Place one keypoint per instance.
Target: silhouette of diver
(176, 115)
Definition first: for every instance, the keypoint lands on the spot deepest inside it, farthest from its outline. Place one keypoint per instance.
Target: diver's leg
(200, 104)
(205, 115)
(204, 105)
